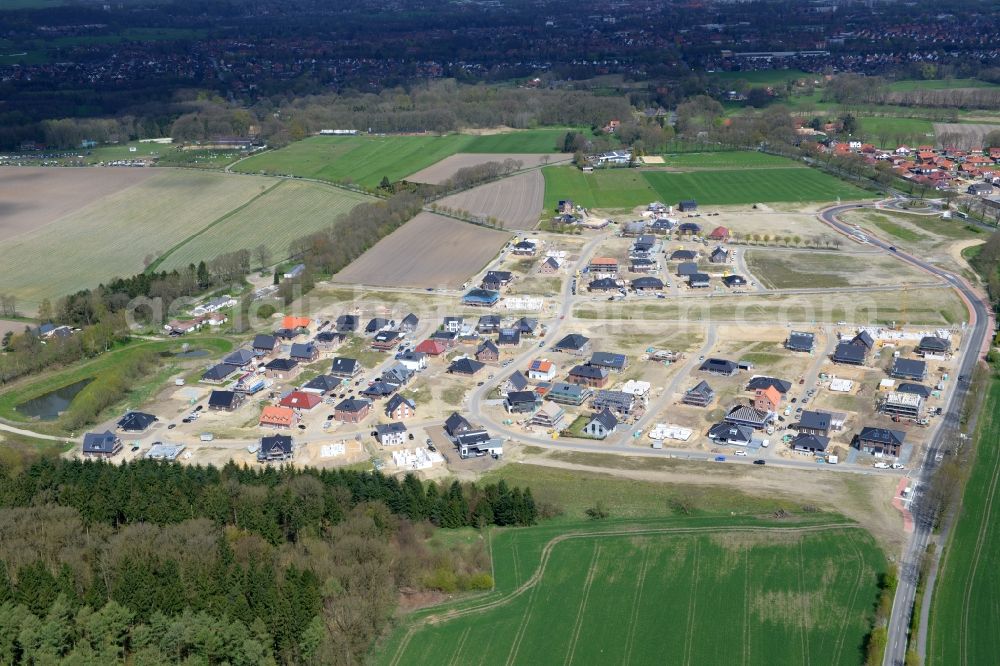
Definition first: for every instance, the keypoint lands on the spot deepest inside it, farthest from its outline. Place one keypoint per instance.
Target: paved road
(947, 432)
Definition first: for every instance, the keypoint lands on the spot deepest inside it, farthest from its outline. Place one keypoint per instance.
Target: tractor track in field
(578, 623)
(802, 595)
(692, 607)
(634, 617)
(530, 586)
(838, 646)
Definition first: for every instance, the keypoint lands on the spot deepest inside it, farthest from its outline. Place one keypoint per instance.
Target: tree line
(152, 562)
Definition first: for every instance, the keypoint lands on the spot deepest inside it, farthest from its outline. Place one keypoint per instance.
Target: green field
(728, 159)
(887, 132)
(367, 159)
(627, 188)
(692, 591)
(938, 84)
(767, 77)
(290, 210)
(115, 234)
(964, 611)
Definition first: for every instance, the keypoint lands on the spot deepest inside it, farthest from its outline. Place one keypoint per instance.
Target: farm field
(449, 166)
(682, 591)
(811, 270)
(289, 210)
(34, 197)
(516, 201)
(889, 132)
(367, 159)
(114, 234)
(966, 135)
(963, 611)
(627, 188)
(938, 84)
(728, 159)
(428, 251)
(765, 76)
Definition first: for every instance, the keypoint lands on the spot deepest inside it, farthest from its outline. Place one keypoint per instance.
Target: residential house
(496, 280)
(304, 352)
(487, 352)
(933, 345)
(700, 395)
(413, 360)
(699, 280)
(275, 448)
(880, 441)
(329, 340)
(524, 248)
(601, 425)
(452, 324)
(219, 373)
(549, 416)
(731, 434)
(684, 255)
(509, 337)
(855, 351)
(409, 323)
(603, 267)
(719, 366)
(914, 389)
(377, 324)
(902, 405)
(689, 229)
(519, 402)
(815, 423)
(345, 368)
(465, 366)
(489, 323)
(809, 443)
(514, 382)
(800, 341)
(390, 434)
(733, 281)
(479, 442)
(136, 422)
(351, 410)
(549, 266)
(456, 424)
(687, 206)
(527, 325)
(286, 334)
(644, 266)
(386, 341)
(378, 390)
(906, 368)
(281, 368)
(483, 298)
(568, 394)
(347, 324)
(762, 382)
(719, 255)
(588, 375)
(296, 323)
(225, 401)
(719, 234)
(277, 417)
(604, 284)
(264, 344)
(101, 445)
(620, 403)
(757, 419)
(611, 361)
(322, 384)
(241, 358)
(686, 268)
(542, 370)
(647, 284)
(399, 407)
(573, 343)
(301, 400)
(767, 399)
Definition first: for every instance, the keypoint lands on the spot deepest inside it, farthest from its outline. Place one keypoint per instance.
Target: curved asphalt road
(974, 338)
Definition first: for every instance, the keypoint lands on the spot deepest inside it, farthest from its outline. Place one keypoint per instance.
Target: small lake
(191, 353)
(47, 406)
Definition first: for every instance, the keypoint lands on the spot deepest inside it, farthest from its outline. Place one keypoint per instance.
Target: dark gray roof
(687, 268)
(239, 357)
(221, 399)
(809, 442)
(136, 421)
(847, 352)
(800, 341)
(219, 372)
(351, 405)
(347, 323)
(647, 283)
(734, 280)
(487, 345)
(380, 389)
(344, 366)
(390, 428)
(863, 338)
(526, 324)
(465, 366)
(509, 336)
(745, 414)
(456, 423)
(719, 366)
(264, 341)
(814, 420)
(915, 389)
(518, 381)
(606, 419)
(376, 323)
(275, 444)
(764, 382)
(323, 383)
(568, 390)
(282, 364)
(683, 255)
(909, 367)
(410, 321)
(731, 433)
(882, 435)
(603, 283)
(614, 400)
(932, 343)
(522, 396)
(589, 372)
(302, 350)
(699, 278)
(103, 442)
(609, 360)
(701, 388)
(489, 320)
(396, 400)
(573, 341)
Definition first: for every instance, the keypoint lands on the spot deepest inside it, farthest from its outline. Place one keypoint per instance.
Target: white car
(740, 452)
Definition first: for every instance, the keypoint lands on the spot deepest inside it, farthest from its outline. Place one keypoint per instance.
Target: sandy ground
(955, 251)
(9, 325)
(437, 173)
(33, 197)
(516, 201)
(428, 251)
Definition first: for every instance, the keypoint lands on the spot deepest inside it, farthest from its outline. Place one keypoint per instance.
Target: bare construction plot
(428, 251)
(34, 197)
(449, 166)
(962, 135)
(793, 269)
(515, 201)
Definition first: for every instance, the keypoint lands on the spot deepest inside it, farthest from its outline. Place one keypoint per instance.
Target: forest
(153, 563)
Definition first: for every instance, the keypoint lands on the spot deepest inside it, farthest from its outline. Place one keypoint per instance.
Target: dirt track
(517, 200)
(428, 251)
(437, 173)
(33, 197)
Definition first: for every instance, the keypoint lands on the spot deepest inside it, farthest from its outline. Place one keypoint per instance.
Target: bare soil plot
(9, 325)
(449, 166)
(515, 201)
(33, 197)
(798, 269)
(962, 135)
(428, 251)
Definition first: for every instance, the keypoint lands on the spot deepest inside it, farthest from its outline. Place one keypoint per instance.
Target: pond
(191, 353)
(48, 406)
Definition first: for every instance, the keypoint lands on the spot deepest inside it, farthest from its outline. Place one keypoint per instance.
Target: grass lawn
(891, 132)
(751, 186)
(964, 607)
(728, 159)
(367, 159)
(359, 348)
(733, 590)
(610, 188)
(764, 76)
(938, 84)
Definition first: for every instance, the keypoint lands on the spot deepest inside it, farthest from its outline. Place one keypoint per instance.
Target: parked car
(720, 458)
(760, 461)
(740, 452)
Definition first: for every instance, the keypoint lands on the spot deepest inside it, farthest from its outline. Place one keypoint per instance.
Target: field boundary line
(640, 583)
(692, 606)
(578, 623)
(984, 525)
(163, 257)
(842, 634)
